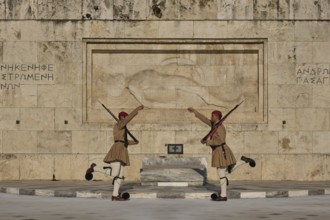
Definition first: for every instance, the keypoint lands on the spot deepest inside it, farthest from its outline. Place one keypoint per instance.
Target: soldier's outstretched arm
(200, 116)
(129, 117)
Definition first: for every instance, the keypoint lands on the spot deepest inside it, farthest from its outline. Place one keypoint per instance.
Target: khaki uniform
(118, 152)
(222, 156)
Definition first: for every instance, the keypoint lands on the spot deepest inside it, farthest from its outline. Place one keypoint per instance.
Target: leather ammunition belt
(223, 149)
(120, 141)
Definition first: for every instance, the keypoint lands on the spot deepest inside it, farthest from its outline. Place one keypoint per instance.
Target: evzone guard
(117, 156)
(223, 158)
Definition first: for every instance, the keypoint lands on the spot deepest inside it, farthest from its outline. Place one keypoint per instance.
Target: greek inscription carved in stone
(13, 75)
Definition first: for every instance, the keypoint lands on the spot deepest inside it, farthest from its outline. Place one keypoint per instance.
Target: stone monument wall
(59, 58)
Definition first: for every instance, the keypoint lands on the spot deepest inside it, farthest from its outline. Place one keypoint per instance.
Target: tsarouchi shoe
(251, 162)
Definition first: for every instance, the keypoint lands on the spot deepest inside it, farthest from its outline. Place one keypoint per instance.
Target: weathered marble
(20, 52)
(321, 142)
(129, 9)
(57, 9)
(19, 142)
(190, 170)
(36, 119)
(321, 97)
(8, 117)
(97, 9)
(34, 166)
(296, 142)
(319, 119)
(23, 96)
(229, 9)
(261, 142)
(9, 167)
(54, 142)
(21, 9)
(310, 9)
(89, 142)
(2, 9)
(273, 54)
(70, 167)
(55, 96)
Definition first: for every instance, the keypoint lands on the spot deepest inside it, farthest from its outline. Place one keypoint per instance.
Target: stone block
(154, 141)
(303, 52)
(279, 31)
(71, 167)
(59, 9)
(35, 31)
(281, 74)
(199, 10)
(320, 52)
(54, 142)
(294, 167)
(311, 31)
(176, 29)
(173, 170)
(321, 140)
(11, 30)
(69, 74)
(320, 119)
(299, 96)
(77, 96)
(191, 142)
(67, 30)
(170, 162)
(21, 9)
(277, 9)
(296, 142)
(98, 9)
(2, 9)
(19, 142)
(235, 140)
(231, 10)
(261, 142)
(281, 52)
(129, 10)
(282, 119)
(55, 95)
(321, 96)
(54, 52)
(22, 96)
(89, 142)
(8, 118)
(142, 29)
(9, 167)
(68, 119)
(244, 29)
(310, 10)
(37, 119)
(162, 9)
(154, 176)
(20, 52)
(36, 167)
(1, 51)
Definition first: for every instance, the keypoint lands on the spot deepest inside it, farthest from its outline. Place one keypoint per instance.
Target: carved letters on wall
(171, 75)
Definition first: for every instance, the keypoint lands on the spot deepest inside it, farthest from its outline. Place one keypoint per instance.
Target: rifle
(220, 123)
(114, 116)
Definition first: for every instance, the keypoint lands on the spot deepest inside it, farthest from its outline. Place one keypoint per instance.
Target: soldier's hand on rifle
(190, 109)
(140, 107)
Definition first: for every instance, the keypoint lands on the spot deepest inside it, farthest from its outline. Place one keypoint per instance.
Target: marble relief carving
(175, 75)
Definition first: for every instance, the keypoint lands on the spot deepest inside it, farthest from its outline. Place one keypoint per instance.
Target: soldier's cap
(123, 114)
(217, 113)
